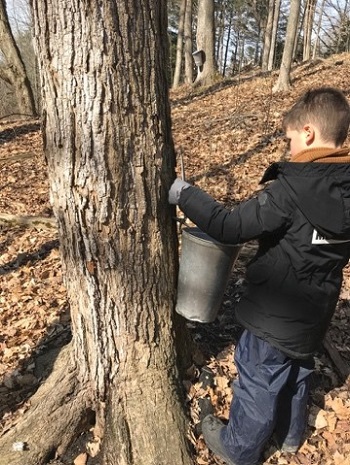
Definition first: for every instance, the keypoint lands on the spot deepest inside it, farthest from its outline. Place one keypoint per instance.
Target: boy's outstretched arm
(249, 220)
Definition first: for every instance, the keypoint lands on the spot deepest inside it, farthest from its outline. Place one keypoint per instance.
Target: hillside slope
(228, 134)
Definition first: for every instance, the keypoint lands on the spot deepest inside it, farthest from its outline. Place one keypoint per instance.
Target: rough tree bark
(13, 70)
(107, 139)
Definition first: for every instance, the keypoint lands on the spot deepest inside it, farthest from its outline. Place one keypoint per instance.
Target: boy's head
(320, 118)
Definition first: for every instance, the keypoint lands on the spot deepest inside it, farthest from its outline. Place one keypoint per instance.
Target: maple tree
(110, 157)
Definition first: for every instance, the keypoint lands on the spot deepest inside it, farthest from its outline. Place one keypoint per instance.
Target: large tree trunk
(13, 71)
(110, 161)
(283, 83)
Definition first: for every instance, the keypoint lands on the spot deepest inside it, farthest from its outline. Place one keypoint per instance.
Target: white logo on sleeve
(318, 239)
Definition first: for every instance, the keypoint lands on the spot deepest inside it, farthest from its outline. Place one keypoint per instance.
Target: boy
(302, 222)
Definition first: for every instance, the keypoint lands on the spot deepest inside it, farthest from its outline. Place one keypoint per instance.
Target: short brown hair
(325, 107)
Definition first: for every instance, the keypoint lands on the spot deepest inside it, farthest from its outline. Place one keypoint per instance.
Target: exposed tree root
(55, 417)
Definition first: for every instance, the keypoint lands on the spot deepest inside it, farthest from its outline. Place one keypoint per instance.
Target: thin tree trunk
(343, 21)
(220, 34)
(179, 45)
(268, 36)
(317, 37)
(227, 43)
(283, 83)
(188, 43)
(308, 26)
(277, 8)
(299, 33)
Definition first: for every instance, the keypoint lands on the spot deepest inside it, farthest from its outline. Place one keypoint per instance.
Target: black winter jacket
(302, 223)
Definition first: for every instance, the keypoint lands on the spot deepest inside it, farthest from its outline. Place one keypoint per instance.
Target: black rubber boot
(283, 447)
(289, 449)
(211, 428)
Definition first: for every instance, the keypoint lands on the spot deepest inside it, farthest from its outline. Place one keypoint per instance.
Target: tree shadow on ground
(25, 258)
(197, 93)
(7, 135)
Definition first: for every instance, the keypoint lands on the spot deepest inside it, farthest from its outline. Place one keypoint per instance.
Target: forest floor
(227, 134)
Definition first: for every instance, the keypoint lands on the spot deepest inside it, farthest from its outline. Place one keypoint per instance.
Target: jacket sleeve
(270, 212)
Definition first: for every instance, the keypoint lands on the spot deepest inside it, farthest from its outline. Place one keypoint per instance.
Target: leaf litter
(228, 135)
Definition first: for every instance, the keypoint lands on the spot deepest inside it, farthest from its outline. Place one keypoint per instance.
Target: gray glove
(175, 190)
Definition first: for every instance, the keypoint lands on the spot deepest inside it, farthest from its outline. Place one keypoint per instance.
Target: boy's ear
(309, 133)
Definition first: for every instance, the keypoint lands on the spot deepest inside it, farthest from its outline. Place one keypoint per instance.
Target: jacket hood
(321, 191)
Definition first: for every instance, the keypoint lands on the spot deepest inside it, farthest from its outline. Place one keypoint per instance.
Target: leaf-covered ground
(227, 135)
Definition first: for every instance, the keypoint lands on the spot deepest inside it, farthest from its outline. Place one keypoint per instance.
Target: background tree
(343, 35)
(316, 46)
(220, 34)
(228, 40)
(205, 39)
(188, 42)
(12, 70)
(107, 139)
(179, 44)
(283, 82)
(309, 17)
(276, 15)
(268, 42)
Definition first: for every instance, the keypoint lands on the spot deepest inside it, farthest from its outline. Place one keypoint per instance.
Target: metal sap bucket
(205, 267)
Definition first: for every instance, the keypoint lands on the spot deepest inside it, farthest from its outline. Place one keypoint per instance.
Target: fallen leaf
(81, 459)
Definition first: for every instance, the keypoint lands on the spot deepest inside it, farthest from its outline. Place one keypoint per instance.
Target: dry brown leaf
(340, 459)
(330, 439)
(81, 459)
(340, 407)
(318, 418)
(201, 461)
(221, 382)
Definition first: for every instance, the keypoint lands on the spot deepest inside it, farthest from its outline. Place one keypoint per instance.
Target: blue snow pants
(269, 396)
